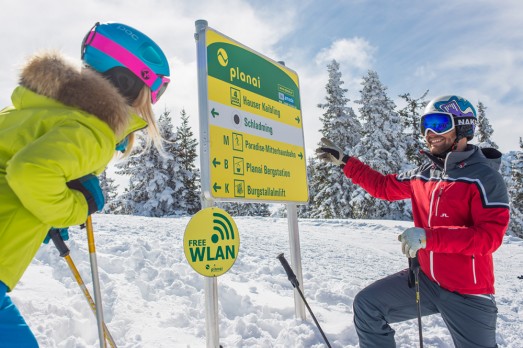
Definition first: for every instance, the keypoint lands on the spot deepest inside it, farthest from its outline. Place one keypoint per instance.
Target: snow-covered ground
(153, 298)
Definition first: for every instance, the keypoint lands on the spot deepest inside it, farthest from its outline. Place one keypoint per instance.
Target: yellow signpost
(254, 126)
(211, 242)
(251, 149)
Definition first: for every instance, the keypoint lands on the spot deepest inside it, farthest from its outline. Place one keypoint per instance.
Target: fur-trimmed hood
(51, 75)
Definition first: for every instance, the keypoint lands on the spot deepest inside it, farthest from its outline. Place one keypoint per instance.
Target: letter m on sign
(226, 140)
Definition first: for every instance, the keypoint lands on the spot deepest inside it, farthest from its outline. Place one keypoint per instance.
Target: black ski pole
(296, 285)
(414, 267)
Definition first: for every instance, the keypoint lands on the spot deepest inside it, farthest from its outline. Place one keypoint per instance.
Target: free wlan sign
(211, 242)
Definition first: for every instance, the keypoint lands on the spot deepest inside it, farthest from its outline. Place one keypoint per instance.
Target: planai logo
(222, 56)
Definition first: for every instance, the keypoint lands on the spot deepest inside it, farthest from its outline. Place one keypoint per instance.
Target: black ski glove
(330, 153)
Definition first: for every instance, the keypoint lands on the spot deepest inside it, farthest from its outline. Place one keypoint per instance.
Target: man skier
(460, 211)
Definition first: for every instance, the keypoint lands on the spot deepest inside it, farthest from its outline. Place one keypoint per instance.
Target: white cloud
(351, 53)
(481, 60)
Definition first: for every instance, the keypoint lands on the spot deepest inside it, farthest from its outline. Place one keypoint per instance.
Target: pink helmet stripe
(122, 55)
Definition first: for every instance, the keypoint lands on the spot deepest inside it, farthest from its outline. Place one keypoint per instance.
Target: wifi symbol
(223, 227)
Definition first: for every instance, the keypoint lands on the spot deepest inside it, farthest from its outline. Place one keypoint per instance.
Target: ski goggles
(157, 92)
(157, 83)
(437, 122)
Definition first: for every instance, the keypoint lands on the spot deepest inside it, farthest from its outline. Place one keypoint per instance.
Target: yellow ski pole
(65, 253)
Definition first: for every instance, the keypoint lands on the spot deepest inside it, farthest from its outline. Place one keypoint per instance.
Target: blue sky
(471, 48)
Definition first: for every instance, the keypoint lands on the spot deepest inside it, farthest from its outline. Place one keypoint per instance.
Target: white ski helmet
(462, 111)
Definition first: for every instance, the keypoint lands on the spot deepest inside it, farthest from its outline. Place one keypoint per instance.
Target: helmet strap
(452, 147)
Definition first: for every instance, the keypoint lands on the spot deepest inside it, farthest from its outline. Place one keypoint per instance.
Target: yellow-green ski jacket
(64, 124)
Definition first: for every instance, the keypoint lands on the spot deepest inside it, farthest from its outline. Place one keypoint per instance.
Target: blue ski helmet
(462, 111)
(128, 58)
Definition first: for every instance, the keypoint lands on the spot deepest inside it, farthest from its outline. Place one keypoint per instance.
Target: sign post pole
(211, 312)
(294, 240)
(211, 244)
(212, 329)
(211, 284)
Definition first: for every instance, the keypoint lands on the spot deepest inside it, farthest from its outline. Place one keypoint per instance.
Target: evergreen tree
(410, 117)
(483, 129)
(151, 174)
(304, 210)
(381, 147)
(133, 167)
(110, 191)
(188, 192)
(341, 126)
(516, 193)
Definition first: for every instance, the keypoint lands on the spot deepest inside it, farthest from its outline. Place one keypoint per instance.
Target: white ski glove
(413, 239)
(331, 153)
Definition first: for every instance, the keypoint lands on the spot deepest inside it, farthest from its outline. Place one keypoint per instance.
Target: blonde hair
(143, 107)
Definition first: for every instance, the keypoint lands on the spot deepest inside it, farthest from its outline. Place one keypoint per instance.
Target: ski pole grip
(414, 264)
(288, 270)
(59, 242)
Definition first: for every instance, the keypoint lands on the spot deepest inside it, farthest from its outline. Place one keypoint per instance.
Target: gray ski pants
(470, 319)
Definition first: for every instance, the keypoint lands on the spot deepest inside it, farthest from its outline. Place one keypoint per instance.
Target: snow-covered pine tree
(341, 126)
(150, 191)
(187, 193)
(133, 167)
(410, 117)
(110, 191)
(516, 193)
(483, 129)
(304, 210)
(381, 147)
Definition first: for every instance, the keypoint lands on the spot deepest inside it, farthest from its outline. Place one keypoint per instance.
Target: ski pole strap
(59, 242)
(288, 270)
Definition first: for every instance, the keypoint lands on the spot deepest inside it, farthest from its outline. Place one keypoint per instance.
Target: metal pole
(211, 312)
(294, 241)
(296, 285)
(211, 301)
(211, 283)
(65, 253)
(414, 265)
(96, 281)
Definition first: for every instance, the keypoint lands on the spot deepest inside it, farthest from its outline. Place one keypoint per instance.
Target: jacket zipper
(430, 221)
(474, 268)
(437, 202)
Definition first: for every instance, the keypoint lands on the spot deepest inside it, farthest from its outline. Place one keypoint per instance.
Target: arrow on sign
(215, 113)
(297, 119)
(300, 155)
(216, 187)
(215, 162)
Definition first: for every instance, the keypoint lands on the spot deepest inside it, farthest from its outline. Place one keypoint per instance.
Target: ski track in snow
(153, 298)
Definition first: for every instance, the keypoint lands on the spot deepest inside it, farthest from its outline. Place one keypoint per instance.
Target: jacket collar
(49, 74)
(471, 155)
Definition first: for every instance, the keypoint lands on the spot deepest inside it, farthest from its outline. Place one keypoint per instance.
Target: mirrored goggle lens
(155, 96)
(439, 123)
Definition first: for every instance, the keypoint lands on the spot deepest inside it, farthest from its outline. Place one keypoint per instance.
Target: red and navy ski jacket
(461, 202)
